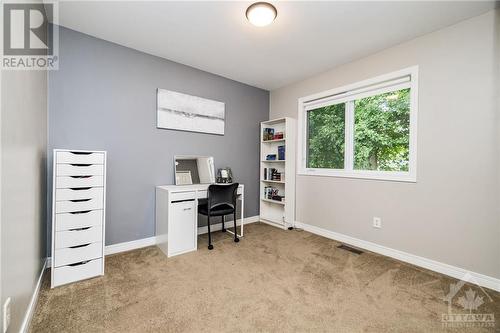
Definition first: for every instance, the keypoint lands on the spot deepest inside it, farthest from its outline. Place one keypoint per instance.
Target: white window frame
(402, 79)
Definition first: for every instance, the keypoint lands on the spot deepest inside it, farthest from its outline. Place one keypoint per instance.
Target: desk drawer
(80, 169)
(204, 193)
(71, 255)
(183, 196)
(79, 181)
(78, 193)
(68, 157)
(68, 206)
(80, 271)
(75, 237)
(83, 219)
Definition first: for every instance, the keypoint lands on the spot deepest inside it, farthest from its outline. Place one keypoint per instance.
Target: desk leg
(242, 199)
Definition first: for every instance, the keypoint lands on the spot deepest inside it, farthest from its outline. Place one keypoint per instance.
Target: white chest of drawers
(78, 215)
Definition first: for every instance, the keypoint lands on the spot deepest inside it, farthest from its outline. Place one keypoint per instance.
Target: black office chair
(221, 201)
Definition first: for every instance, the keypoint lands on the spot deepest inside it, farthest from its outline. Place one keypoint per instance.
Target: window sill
(405, 177)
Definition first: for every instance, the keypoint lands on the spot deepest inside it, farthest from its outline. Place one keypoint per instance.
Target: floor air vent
(350, 249)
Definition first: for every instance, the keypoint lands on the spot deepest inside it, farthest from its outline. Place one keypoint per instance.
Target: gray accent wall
(103, 97)
(451, 214)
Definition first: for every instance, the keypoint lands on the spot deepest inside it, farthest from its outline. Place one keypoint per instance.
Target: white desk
(177, 216)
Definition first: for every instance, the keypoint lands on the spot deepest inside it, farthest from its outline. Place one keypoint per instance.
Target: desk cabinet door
(182, 228)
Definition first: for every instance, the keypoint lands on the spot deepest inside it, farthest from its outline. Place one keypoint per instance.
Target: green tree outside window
(381, 133)
(326, 137)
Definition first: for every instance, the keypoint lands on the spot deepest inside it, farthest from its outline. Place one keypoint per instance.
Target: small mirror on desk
(194, 170)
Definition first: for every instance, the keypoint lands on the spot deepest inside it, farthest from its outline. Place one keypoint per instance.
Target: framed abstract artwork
(184, 112)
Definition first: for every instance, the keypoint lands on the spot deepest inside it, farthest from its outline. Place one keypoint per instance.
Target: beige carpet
(272, 281)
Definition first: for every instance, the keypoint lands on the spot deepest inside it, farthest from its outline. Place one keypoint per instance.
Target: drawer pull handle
(80, 188)
(81, 153)
(186, 200)
(81, 165)
(80, 176)
(80, 229)
(79, 263)
(78, 246)
(81, 212)
(187, 209)
(80, 200)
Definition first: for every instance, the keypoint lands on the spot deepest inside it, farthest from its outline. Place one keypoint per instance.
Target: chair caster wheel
(210, 247)
(236, 240)
(290, 228)
(223, 230)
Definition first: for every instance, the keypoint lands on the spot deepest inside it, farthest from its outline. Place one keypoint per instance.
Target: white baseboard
(144, 242)
(34, 299)
(436, 266)
(275, 224)
(129, 246)
(229, 224)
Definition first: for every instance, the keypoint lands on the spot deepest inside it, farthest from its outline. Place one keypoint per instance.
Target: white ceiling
(307, 37)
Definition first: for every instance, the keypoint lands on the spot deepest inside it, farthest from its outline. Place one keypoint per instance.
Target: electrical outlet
(377, 222)
(6, 315)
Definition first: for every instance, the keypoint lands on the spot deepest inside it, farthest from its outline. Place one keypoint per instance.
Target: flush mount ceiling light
(261, 14)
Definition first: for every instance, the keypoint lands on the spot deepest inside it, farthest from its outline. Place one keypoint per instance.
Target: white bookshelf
(274, 212)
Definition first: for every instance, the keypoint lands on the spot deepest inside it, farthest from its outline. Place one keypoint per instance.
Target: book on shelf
(273, 174)
(281, 153)
(272, 193)
(280, 198)
(278, 136)
(268, 134)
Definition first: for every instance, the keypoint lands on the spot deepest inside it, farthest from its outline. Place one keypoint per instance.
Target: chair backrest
(222, 195)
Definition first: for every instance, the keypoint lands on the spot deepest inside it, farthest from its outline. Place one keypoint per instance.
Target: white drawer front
(79, 157)
(183, 196)
(67, 274)
(79, 205)
(79, 181)
(80, 169)
(89, 218)
(75, 237)
(78, 193)
(73, 255)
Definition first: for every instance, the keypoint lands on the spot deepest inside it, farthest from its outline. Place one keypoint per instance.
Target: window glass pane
(382, 132)
(326, 137)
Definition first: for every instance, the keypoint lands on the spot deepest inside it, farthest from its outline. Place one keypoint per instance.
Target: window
(365, 130)
(326, 137)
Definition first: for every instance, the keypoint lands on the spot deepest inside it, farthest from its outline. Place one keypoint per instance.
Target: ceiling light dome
(261, 14)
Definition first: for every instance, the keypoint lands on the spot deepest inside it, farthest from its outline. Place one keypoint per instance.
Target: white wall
(452, 213)
(23, 179)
